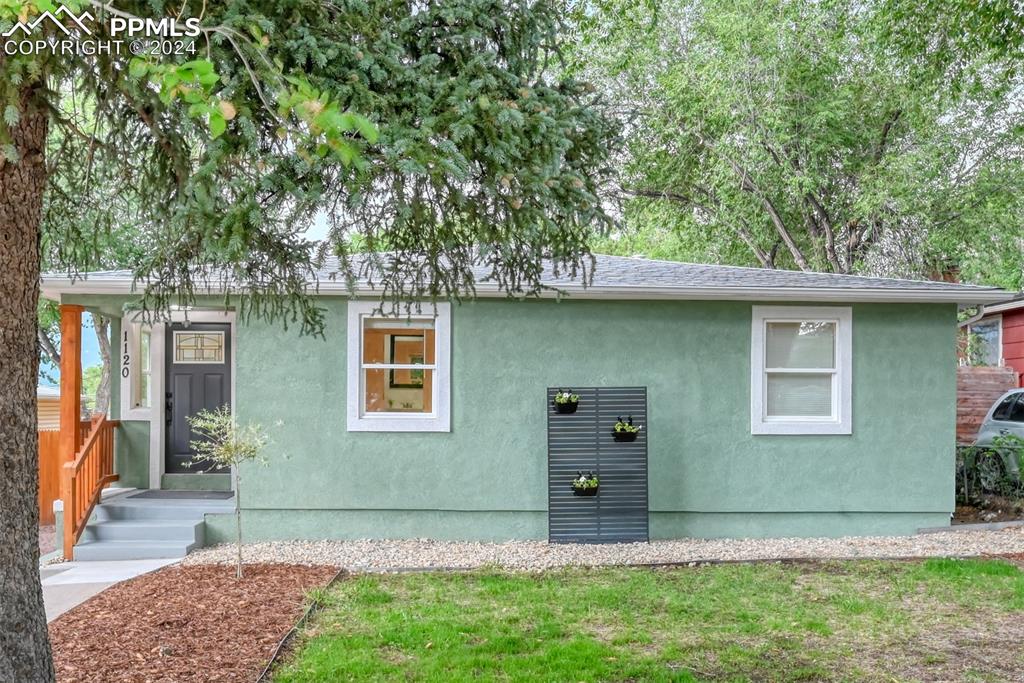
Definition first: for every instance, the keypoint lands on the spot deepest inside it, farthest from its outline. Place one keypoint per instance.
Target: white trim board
(157, 346)
(841, 421)
(128, 366)
(437, 421)
(52, 288)
(1003, 307)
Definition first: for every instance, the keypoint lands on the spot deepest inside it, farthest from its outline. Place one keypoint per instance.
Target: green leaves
(326, 129)
(794, 135)
(195, 82)
(431, 131)
(217, 125)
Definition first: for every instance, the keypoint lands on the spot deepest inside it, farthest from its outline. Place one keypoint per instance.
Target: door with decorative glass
(198, 366)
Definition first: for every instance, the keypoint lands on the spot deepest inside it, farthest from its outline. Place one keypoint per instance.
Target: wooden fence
(49, 474)
(50, 467)
(977, 388)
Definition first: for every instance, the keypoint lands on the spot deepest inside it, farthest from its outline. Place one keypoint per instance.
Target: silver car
(1004, 419)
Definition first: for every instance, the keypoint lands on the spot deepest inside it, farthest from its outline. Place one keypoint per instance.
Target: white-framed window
(398, 370)
(141, 391)
(136, 370)
(801, 370)
(986, 347)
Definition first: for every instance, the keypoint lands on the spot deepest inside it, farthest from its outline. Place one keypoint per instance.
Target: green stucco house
(771, 404)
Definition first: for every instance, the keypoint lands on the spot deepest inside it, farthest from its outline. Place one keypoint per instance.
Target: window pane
(144, 351)
(800, 345)
(143, 399)
(382, 394)
(1017, 414)
(986, 338)
(387, 342)
(198, 347)
(800, 395)
(1005, 408)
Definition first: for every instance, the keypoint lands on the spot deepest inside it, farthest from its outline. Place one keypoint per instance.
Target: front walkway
(69, 584)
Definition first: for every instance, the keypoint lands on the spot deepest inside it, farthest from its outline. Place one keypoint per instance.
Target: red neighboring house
(1001, 331)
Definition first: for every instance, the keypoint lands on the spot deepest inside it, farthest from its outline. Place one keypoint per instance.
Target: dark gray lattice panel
(583, 441)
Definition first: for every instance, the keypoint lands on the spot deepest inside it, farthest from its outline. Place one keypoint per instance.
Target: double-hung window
(801, 370)
(398, 377)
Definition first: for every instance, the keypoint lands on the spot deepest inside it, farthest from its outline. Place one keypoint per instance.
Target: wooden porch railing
(85, 478)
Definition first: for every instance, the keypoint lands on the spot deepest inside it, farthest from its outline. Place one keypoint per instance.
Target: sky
(318, 230)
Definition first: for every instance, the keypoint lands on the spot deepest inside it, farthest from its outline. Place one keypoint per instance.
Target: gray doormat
(183, 495)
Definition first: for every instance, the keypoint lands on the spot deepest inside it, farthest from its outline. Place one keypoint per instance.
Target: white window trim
(1000, 361)
(437, 421)
(841, 421)
(129, 366)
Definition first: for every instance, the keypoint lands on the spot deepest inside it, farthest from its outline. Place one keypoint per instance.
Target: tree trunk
(238, 524)
(102, 326)
(24, 643)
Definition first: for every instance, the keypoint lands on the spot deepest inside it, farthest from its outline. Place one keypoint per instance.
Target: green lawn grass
(932, 620)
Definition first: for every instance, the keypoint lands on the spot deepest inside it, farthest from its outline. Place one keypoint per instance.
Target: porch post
(70, 379)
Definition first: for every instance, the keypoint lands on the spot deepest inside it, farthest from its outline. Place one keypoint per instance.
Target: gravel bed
(535, 555)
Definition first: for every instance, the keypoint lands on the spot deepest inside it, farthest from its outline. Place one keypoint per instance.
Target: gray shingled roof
(630, 277)
(627, 271)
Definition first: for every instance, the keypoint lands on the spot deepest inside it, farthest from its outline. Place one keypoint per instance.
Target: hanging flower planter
(585, 484)
(625, 431)
(566, 402)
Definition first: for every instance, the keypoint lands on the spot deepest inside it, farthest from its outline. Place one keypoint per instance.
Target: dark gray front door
(198, 362)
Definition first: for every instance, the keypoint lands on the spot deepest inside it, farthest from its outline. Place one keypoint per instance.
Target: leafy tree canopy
(440, 130)
(802, 135)
(435, 130)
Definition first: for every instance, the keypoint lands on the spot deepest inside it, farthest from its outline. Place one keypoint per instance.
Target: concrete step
(148, 530)
(124, 527)
(191, 510)
(132, 550)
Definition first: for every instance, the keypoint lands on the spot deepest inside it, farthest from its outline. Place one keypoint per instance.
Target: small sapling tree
(223, 442)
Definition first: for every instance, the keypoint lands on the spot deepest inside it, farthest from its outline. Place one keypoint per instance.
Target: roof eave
(52, 288)
(1004, 306)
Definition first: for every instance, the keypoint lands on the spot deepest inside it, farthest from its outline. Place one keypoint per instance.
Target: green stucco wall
(708, 475)
(131, 460)
(487, 478)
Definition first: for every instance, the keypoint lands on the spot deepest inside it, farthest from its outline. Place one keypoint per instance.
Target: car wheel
(991, 472)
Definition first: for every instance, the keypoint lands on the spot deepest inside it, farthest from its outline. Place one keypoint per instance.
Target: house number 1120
(125, 358)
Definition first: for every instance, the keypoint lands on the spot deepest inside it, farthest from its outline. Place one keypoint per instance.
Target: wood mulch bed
(183, 624)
